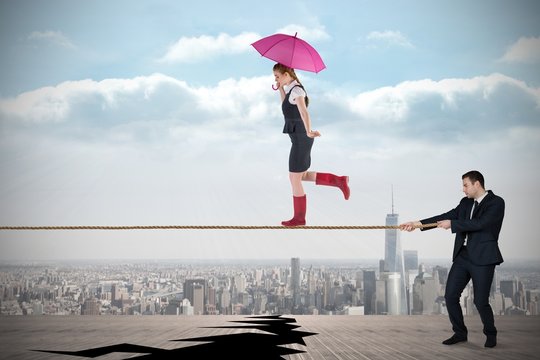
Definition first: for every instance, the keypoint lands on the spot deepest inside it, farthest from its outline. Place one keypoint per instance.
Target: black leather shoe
(454, 340)
(491, 341)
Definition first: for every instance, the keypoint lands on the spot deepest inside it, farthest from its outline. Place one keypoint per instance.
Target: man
(477, 222)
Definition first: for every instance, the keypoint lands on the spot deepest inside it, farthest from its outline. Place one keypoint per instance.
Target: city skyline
(162, 113)
(150, 288)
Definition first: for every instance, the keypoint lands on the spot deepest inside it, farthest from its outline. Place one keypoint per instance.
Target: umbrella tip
(296, 33)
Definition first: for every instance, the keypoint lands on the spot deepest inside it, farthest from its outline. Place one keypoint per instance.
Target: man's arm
(410, 226)
(492, 214)
(449, 215)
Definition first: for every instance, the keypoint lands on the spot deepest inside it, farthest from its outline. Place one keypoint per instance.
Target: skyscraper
(91, 307)
(240, 283)
(509, 288)
(326, 289)
(189, 292)
(198, 299)
(116, 297)
(311, 281)
(370, 280)
(410, 263)
(425, 293)
(393, 255)
(379, 303)
(295, 281)
(393, 285)
(410, 258)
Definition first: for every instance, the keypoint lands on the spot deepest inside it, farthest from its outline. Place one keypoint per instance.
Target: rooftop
(335, 337)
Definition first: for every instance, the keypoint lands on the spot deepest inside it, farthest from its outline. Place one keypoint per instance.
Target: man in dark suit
(477, 222)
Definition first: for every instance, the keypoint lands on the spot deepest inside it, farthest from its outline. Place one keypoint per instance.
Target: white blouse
(296, 92)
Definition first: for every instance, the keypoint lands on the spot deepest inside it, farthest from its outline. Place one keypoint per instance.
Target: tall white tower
(393, 254)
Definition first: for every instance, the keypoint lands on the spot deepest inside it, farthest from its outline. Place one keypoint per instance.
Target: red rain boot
(299, 218)
(341, 182)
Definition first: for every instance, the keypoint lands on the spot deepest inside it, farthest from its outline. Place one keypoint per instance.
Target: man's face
(471, 189)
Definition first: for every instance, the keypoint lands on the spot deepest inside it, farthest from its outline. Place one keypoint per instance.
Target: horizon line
(236, 259)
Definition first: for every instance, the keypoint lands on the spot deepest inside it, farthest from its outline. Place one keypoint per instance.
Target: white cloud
(56, 103)
(525, 50)
(396, 103)
(204, 47)
(151, 108)
(306, 33)
(55, 37)
(192, 49)
(157, 106)
(389, 38)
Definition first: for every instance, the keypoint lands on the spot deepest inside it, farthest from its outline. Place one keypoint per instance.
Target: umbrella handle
(275, 88)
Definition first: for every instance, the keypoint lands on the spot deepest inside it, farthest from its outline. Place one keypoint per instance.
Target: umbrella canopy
(290, 51)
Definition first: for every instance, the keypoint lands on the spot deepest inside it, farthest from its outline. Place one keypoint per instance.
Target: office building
(295, 281)
(225, 302)
(410, 258)
(379, 300)
(370, 280)
(509, 289)
(393, 255)
(311, 281)
(198, 299)
(189, 288)
(116, 297)
(393, 286)
(185, 308)
(442, 273)
(425, 294)
(91, 307)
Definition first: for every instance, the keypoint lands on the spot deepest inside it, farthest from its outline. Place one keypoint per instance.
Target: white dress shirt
(479, 200)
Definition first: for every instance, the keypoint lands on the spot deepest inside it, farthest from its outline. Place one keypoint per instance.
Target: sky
(162, 113)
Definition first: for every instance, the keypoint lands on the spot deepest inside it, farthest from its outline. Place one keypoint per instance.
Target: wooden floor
(338, 337)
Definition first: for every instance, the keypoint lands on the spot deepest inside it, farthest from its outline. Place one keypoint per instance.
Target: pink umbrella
(290, 51)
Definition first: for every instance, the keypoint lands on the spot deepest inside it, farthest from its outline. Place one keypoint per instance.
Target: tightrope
(210, 227)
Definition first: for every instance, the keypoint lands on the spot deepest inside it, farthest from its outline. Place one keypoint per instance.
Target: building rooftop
(241, 337)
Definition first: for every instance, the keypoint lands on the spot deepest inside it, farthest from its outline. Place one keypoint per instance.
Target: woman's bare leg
(296, 183)
(309, 176)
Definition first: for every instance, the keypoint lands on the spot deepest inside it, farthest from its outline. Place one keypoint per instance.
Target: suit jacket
(482, 230)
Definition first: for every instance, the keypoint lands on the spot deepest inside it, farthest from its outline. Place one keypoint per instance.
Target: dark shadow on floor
(277, 330)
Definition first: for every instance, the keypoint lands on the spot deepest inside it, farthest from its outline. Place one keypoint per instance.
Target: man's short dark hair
(474, 176)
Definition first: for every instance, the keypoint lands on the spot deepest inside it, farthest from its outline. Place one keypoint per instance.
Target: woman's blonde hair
(287, 70)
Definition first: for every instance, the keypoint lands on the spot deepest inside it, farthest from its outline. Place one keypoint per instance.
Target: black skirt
(300, 155)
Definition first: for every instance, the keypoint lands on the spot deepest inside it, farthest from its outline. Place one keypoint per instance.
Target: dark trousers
(482, 275)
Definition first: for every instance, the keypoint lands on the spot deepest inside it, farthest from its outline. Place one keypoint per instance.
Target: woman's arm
(281, 91)
(304, 114)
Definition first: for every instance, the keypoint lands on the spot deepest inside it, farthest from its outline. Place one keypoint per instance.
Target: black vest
(293, 120)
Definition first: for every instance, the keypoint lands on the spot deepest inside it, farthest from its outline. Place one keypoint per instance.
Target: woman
(298, 126)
